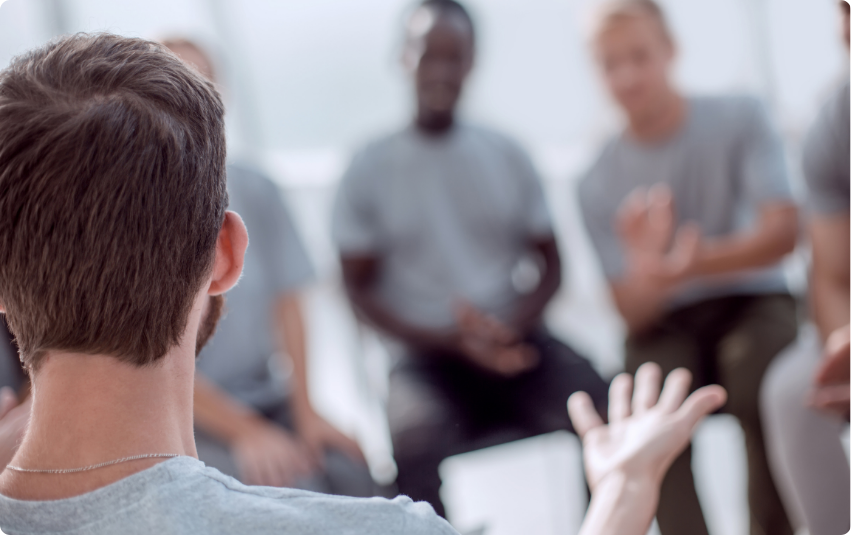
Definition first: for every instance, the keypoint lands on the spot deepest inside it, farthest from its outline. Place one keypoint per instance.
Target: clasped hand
(490, 344)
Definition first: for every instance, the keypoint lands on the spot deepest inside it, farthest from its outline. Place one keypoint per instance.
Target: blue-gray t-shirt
(825, 157)
(181, 496)
(724, 162)
(239, 357)
(450, 217)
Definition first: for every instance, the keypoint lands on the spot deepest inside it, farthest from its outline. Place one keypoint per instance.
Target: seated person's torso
(723, 162)
(449, 217)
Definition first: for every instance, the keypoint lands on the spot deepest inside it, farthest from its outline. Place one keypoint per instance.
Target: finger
(648, 379)
(702, 402)
(8, 400)
(832, 397)
(620, 394)
(582, 413)
(675, 390)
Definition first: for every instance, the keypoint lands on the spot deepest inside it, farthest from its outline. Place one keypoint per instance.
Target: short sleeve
(763, 165)
(536, 218)
(825, 158)
(599, 217)
(354, 226)
(288, 260)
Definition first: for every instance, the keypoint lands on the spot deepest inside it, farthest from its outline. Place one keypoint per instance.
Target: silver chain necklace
(90, 467)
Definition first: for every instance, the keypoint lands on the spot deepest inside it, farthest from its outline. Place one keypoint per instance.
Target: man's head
(634, 51)
(439, 48)
(845, 9)
(191, 53)
(112, 197)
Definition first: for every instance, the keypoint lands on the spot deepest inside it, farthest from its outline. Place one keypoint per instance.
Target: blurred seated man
(806, 399)
(112, 296)
(431, 222)
(247, 423)
(690, 211)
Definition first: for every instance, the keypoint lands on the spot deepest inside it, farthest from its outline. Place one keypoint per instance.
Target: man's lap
(453, 405)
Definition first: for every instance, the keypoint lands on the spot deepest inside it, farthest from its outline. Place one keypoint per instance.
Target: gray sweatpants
(805, 452)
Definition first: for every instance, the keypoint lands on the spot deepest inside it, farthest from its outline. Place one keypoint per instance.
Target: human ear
(230, 254)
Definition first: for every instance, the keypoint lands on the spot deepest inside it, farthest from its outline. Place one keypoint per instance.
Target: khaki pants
(729, 341)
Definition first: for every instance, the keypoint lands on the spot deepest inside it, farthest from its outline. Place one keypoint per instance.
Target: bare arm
(531, 307)
(316, 433)
(626, 460)
(359, 276)
(829, 284)
(772, 237)
(660, 258)
(219, 414)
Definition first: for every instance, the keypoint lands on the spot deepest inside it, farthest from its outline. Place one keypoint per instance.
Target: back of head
(112, 194)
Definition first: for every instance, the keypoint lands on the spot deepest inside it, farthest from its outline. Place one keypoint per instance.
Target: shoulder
(734, 108)
(267, 509)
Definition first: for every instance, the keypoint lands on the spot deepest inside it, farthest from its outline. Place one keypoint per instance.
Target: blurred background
(307, 82)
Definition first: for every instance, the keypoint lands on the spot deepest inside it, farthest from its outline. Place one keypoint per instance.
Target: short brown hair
(112, 195)
(614, 10)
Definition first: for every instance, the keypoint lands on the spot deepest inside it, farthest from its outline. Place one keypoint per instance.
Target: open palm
(646, 430)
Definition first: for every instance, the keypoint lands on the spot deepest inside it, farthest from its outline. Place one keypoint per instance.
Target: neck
(660, 121)
(434, 123)
(89, 409)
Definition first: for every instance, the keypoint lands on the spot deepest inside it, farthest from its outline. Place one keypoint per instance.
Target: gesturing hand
(643, 436)
(654, 247)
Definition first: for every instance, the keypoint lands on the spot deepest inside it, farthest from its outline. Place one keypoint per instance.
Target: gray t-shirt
(181, 496)
(238, 358)
(450, 218)
(825, 157)
(724, 162)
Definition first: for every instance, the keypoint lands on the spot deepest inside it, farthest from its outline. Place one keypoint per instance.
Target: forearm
(767, 243)
(372, 311)
(621, 505)
(291, 341)
(530, 307)
(640, 301)
(218, 414)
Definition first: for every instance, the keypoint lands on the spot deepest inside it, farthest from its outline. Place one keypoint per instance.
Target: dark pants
(441, 406)
(341, 475)
(729, 341)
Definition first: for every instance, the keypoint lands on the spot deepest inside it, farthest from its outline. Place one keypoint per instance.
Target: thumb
(8, 400)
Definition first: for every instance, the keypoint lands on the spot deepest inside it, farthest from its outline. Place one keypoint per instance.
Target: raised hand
(646, 430)
(653, 244)
(626, 460)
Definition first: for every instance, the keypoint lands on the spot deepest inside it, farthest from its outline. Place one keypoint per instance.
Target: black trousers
(441, 406)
